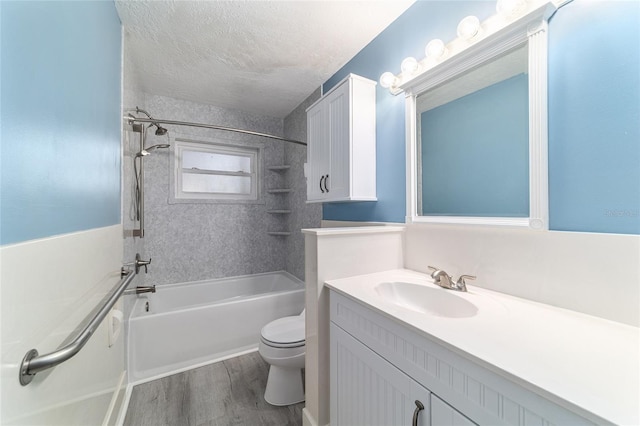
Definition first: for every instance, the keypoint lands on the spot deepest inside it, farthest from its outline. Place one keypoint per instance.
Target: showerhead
(148, 150)
(160, 131)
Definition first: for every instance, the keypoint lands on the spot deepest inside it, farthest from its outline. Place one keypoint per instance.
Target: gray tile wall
(130, 146)
(188, 242)
(303, 215)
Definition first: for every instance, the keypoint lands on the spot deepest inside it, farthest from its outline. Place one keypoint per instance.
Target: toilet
(282, 345)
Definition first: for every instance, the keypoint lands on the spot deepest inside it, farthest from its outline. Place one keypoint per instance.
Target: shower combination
(138, 164)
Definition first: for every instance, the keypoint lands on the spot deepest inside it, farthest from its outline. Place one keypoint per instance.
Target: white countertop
(575, 360)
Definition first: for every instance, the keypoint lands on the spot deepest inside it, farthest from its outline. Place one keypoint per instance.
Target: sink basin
(428, 300)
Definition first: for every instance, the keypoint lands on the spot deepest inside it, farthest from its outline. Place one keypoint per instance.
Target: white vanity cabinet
(341, 143)
(368, 390)
(378, 362)
(442, 414)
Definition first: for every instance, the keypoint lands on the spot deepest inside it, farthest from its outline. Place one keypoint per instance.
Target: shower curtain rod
(131, 119)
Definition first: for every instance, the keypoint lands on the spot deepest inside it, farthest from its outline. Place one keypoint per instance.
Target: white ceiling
(262, 57)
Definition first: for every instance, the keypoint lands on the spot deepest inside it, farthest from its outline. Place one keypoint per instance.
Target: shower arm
(131, 120)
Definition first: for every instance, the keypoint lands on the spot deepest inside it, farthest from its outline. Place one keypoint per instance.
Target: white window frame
(217, 146)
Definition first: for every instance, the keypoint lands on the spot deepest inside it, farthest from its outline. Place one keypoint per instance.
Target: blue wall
(594, 130)
(475, 160)
(594, 117)
(60, 118)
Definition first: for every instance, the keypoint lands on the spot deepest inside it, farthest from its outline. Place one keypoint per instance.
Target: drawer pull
(321, 189)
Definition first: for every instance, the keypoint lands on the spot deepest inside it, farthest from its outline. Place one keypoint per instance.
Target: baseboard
(117, 400)
(308, 420)
(125, 406)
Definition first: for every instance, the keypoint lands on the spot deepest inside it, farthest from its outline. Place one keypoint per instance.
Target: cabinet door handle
(326, 180)
(322, 190)
(419, 407)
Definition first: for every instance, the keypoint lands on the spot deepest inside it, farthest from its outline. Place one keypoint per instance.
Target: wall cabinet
(341, 143)
(380, 367)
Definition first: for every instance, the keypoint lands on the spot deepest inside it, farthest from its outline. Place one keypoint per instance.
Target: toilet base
(284, 386)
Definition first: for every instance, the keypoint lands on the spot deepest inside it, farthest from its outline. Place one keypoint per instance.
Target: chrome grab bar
(33, 363)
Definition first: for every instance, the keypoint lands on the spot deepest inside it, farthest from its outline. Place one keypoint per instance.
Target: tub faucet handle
(140, 263)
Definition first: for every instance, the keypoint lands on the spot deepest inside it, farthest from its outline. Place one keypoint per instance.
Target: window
(215, 171)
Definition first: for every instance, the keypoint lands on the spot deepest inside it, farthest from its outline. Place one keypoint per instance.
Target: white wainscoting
(332, 253)
(48, 287)
(596, 274)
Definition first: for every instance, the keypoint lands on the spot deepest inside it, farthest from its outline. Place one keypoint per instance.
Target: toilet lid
(284, 330)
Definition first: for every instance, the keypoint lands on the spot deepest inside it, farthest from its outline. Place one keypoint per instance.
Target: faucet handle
(433, 270)
(139, 263)
(461, 280)
(441, 278)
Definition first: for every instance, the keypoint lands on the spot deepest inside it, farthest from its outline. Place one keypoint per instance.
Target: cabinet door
(339, 128)
(366, 390)
(442, 414)
(317, 153)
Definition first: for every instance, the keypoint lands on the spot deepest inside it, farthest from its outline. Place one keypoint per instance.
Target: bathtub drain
(146, 306)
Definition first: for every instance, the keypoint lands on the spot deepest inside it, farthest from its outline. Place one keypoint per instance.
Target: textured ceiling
(263, 57)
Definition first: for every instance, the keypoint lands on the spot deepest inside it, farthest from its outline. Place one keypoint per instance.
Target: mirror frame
(531, 30)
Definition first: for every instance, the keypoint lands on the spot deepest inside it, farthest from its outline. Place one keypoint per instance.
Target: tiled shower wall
(189, 242)
(303, 215)
(130, 146)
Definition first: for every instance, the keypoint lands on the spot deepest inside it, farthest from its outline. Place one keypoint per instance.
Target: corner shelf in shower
(279, 191)
(280, 168)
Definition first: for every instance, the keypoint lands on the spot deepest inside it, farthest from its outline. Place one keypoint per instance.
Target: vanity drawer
(469, 385)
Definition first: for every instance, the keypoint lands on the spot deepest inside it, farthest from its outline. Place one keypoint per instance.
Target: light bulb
(435, 49)
(387, 80)
(409, 65)
(468, 28)
(508, 8)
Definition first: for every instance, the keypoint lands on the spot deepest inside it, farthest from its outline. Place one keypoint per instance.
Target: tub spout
(141, 289)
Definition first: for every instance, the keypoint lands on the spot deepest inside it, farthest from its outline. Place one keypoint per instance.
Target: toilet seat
(287, 332)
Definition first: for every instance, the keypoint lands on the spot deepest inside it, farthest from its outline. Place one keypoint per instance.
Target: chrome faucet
(445, 280)
(141, 289)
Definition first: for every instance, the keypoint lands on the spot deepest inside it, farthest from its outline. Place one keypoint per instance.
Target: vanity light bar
(469, 31)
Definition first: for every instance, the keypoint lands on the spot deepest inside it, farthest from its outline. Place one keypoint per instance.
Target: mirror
(477, 130)
(473, 142)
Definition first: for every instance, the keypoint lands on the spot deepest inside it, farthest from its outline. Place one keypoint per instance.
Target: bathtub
(196, 323)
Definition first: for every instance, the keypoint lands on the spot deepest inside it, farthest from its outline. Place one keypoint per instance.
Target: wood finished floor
(227, 393)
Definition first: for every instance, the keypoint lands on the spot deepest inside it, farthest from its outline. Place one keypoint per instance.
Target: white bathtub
(195, 323)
